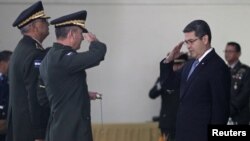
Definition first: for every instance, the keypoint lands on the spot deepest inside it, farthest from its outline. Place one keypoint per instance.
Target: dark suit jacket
(27, 120)
(64, 76)
(204, 97)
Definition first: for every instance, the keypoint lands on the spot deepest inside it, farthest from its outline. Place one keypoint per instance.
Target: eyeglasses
(190, 41)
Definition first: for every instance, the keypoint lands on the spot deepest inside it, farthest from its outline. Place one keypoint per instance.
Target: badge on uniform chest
(237, 78)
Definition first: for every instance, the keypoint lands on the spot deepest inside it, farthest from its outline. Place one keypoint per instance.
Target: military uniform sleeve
(80, 61)
(166, 70)
(156, 90)
(38, 114)
(160, 86)
(169, 79)
(41, 93)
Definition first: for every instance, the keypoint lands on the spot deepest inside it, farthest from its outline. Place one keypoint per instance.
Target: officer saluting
(63, 72)
(27, 120)
(240, 90)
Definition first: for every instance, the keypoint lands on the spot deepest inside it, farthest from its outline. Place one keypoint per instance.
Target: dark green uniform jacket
(27, 120)
(63, 72)
(240, 92)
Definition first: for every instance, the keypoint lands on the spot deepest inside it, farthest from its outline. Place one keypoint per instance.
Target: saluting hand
(175, 53)
(89, 37)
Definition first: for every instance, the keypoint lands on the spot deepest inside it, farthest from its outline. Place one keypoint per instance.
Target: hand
(95, 95)
(175, 53)
(89, 37)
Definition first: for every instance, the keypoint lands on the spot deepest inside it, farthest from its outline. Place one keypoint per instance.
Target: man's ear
(238, 54)
(33, 27)
(205, 39)
(70, 34)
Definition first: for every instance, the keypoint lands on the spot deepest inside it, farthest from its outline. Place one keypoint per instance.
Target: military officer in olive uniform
(64, 76)
(27, 120)
(240, 87)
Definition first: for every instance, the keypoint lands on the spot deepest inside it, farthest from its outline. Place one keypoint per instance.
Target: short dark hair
(235, 45)
(200, 27)
(62, 32)
(5, 55)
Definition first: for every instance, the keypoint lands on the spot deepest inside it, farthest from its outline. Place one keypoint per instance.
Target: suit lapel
(185, 73)
(185, 84)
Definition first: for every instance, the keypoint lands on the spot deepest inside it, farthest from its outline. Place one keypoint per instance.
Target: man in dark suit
(169, 102)
(27, 120)
(4, 91)
(204, 84)
(64, 76)
(240, 86)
